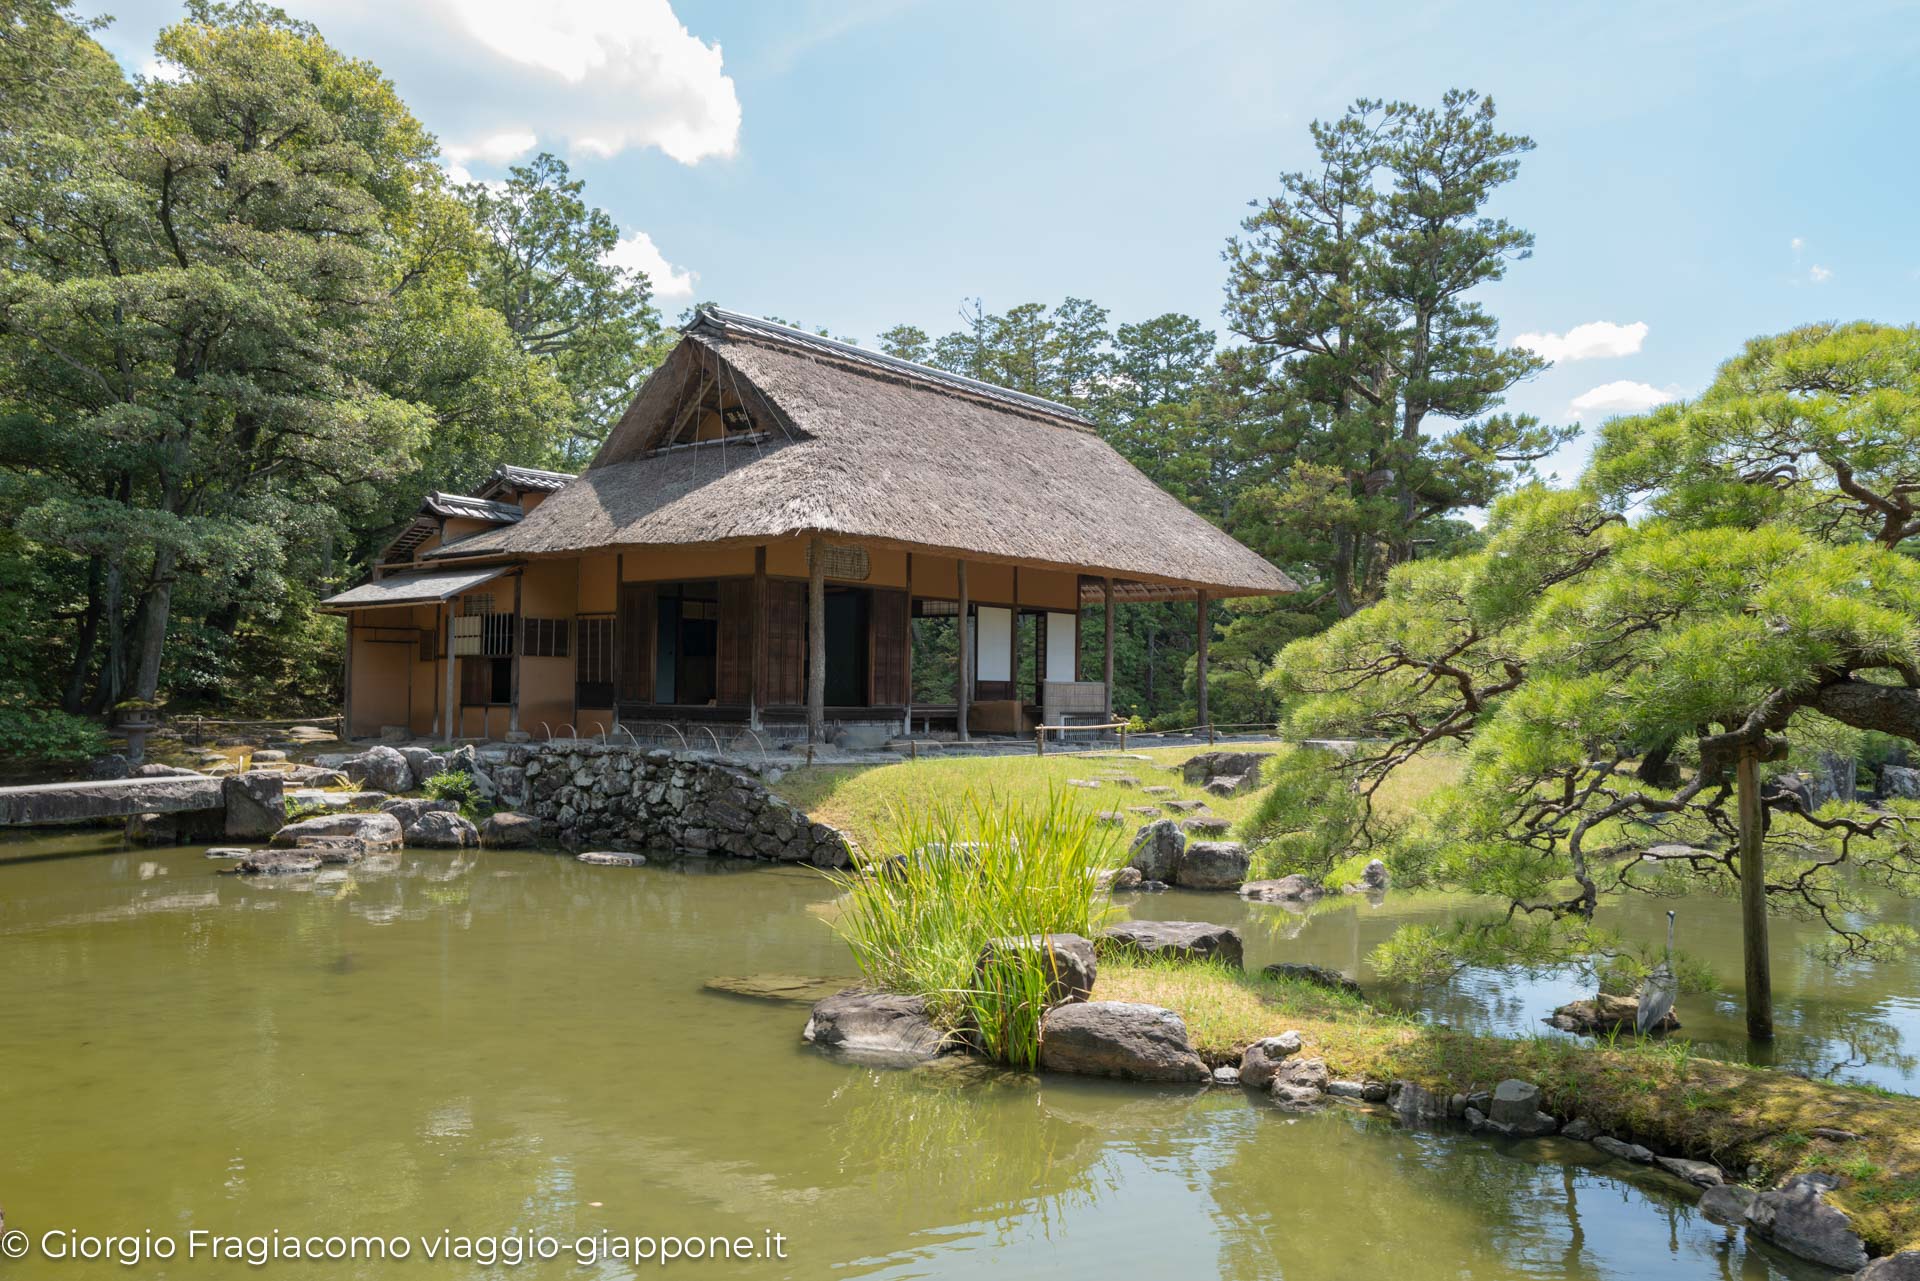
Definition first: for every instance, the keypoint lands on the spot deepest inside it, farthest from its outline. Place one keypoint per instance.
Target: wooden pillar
(519, 644)
(906, 720)
(346, 684)
(1205, 720)
(1753, 897)
(963, 688)
(1106, 596)
(758, 663)
(619, 641)
(816, 640)
(449, 709)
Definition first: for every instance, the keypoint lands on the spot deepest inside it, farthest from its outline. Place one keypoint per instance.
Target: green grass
(1657, 1092)
(943, 881)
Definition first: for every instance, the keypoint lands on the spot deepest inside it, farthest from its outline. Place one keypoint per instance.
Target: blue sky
(1708, 172)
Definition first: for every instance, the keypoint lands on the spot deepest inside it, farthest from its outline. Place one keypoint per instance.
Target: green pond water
(513, 1043)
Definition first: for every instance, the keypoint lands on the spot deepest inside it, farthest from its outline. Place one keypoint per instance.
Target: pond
(515, 1043)
(1859, 1022)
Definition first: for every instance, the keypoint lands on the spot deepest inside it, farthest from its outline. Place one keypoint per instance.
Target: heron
(1657, 993)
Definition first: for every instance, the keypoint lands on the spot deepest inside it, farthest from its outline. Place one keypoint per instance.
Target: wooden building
(757, 543)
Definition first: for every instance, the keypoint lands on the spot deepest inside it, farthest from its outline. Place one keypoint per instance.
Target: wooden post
(1753, 897)
(449, 710)
(1202, 664)
(816, 640)
(1106, 593)
(962, 691)
(1040, 739)
(619, 640)
(758, 663)
(519, 644)
(346, 682)
(906, 718)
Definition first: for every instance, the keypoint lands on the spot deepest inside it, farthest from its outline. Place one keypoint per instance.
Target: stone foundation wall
(618, 797)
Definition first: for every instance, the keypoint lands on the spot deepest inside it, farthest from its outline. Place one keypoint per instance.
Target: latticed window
(548, 637)
(483, 636)
(593, 666)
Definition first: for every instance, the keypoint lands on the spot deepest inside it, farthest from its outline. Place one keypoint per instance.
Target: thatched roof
(854, 445)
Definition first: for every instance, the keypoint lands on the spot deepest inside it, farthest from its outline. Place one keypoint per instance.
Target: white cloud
(1620, 397)
(495, 149)
(1819, 275)
(1594, 340)
(637, 252)
(608, 75)
(1797, 244)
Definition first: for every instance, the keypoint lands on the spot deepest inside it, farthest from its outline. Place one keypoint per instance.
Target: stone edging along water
(1139, 1042)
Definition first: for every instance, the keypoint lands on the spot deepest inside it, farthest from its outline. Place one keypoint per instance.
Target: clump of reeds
(948, 879)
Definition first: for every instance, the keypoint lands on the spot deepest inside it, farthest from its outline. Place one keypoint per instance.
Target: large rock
(1293, 888)
(1208, 765)
(1902, 783)
(377, 830)
(1156, 850)
(1178, 940)
(256, 805)
(1797, 1218)
(1260, 1061)
(409, 808)
(279, 862)
(423, 762)
(507, 830)
(1417, 1105)
(1726, 1204)
(1068, 958)
(1904, 1266)
(1375, 878)
(442, 830)
(1319, 975)
(1623, 1150)
(874, 1026)
(1211, 865)
(381, 768)
(1299, 1083)
(1702, 1174)
(1516, 1110)
(1120, 1039)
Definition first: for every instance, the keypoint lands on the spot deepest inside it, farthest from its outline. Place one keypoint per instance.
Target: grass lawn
(1653, 1092)
(859, 798)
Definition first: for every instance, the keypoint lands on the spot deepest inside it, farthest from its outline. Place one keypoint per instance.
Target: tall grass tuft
(947, 879)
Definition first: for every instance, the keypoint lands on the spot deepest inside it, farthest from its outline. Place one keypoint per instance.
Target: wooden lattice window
(548, 637)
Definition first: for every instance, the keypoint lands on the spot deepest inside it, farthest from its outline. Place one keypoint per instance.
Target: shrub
(947, 879)
(456, 786)
(31, 734)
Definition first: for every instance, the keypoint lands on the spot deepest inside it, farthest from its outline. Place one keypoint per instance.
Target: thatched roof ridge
(872, 453)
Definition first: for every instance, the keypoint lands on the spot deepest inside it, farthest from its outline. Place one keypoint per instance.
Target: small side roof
(471, 508)
(413, 589)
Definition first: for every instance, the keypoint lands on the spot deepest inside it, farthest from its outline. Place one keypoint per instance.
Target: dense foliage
(1735, 579)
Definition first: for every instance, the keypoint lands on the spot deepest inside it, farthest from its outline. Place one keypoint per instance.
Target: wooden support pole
(1753, 897)
(816, 640)
(906, 719)
(519, 644)
(619, 640)
(1202, 664)
(1106, 593)
(450, 711)
(963, 688)
(758, 663)
(346, 683)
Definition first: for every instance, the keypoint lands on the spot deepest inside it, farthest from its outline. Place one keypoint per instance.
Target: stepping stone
(799, 989)
(1144, 811)
(611, 858)
(1206, 825)
(1110, 818)
(1181, 807)
(1123, 780)
(1082, 782)
(1157, 791)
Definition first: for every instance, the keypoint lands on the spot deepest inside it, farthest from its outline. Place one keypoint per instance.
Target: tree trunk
(155, 611)
(113, 666)
(1753, 898)
(86, 636)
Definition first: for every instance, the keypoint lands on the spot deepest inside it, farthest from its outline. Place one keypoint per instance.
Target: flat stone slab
(1182, 807)
(1123, 1039)
(794, 989)
(109, 798)
(1178, 940)
(279, 863)
(611, 858)
(1285, 889)
(874, 1027)
(1319, 975)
